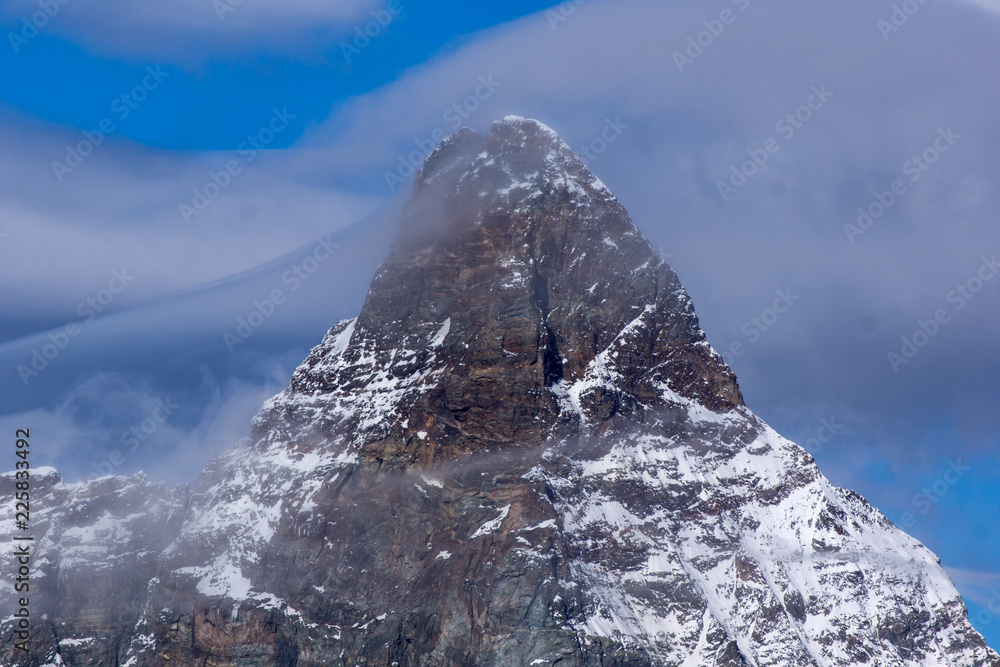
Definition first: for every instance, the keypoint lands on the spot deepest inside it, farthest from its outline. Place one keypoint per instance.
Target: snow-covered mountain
(523, 451)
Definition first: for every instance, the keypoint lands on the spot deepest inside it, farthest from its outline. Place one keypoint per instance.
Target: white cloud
(982, 588)
(121, 208)
(112, 423)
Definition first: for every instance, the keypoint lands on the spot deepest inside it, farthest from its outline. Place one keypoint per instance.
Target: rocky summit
(522, 451)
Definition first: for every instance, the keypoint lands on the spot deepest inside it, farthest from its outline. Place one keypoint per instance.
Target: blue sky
(214, 102)
(913, 107)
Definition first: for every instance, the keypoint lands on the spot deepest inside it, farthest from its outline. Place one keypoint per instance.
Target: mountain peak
(516, 147)
(520, 147)
(529, 130)
(452, 154)
(521, 121)
(518, 304)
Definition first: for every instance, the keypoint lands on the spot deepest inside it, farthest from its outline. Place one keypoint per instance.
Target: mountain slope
(523, 451)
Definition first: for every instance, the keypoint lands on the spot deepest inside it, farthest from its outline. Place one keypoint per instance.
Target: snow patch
(432, 482)
(442, 332)
(493, 524)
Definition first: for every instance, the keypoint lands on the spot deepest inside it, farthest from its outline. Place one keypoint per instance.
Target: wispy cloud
(118, 424)
(122, 208)
(983, 588)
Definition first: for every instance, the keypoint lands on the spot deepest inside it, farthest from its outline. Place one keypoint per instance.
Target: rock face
(96, 552)
(517, 289)
(523, 451)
